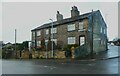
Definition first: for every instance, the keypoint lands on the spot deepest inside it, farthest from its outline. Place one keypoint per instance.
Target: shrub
(68, 47)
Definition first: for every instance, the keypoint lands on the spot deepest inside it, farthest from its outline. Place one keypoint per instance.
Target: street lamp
(15, 44)
(52, 36)
(46, 43)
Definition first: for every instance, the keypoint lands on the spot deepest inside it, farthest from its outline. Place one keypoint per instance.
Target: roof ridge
(63, 21)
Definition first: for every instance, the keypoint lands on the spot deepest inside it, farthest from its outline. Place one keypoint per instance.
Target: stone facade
(88, 22)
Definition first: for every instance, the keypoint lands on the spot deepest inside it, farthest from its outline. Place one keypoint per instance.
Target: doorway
(81, 40)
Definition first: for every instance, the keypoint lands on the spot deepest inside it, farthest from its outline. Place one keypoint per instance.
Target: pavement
(112, 52)
(104, 63)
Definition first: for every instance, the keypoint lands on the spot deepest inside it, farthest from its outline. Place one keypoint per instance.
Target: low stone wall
(44, 54)
(60, 54)
(41, 54)
(38, 54)
(25, 55)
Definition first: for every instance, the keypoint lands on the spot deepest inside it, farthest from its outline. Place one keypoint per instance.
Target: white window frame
(47, 31)
(38, 33)
(53, 30)
(104, 31)
(71, 27)
(101, 29)
(38, 43)
(104, 42)
(33, 34)
(46, 40)
(71, 40)
(55, 40)
(81, 25)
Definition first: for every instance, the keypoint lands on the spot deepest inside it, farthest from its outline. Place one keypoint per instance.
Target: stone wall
(25, 55)
(43, 54)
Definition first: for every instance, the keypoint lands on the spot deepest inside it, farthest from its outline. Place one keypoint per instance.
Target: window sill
(71, 30)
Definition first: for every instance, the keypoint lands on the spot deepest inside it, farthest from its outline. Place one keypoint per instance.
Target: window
(104, 31)
(47, 31)
(81, 25)
(55, 40)
(33, 35)
(71, 27)
(104, 42)
(46, 42)
(38, 43)
(33, 42)
(101, 30)
(38, 33)
(71, 40)
(54, 30)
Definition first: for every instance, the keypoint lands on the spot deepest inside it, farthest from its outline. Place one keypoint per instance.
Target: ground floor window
(46, 42)
(38, 43)
(33, 43)
(71, 40)
(55, 40)
(102, 42)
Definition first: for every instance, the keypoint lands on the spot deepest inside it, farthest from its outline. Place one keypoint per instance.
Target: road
(109, 66)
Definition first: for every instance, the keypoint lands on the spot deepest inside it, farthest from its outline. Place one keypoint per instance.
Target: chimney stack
(74, 12)
(59, 16)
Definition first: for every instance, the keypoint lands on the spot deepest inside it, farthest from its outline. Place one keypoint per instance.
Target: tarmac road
(108, 66)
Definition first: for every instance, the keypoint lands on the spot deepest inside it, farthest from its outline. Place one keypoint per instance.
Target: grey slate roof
(67, 20)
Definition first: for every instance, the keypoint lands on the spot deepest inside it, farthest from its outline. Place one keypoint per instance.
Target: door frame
(84, 38)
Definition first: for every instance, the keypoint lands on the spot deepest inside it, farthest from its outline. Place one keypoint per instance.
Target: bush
(68, 47)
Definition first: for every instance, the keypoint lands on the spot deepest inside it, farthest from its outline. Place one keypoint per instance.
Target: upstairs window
(81, 25)
(101, 30)
(71, 27)
(33, 34)
(71, 40)
(38, 33)
(47, 31)
(104, 31)
(53, 30)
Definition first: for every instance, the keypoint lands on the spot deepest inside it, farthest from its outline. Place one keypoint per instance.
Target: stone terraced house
(89, 28)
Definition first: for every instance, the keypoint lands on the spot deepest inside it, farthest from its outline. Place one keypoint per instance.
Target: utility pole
(15, 43)
(92, 35)
(52, 37)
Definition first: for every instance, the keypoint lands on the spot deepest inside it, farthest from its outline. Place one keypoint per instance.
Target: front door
(82, 40)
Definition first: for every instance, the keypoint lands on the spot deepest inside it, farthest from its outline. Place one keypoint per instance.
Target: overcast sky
(25, 16)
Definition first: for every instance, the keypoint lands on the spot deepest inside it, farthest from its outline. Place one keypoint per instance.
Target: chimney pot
(74, 12)
(59, 16)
